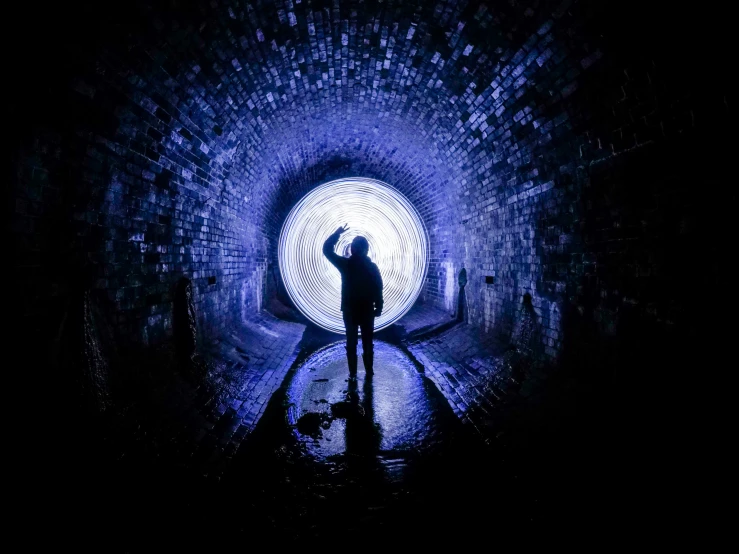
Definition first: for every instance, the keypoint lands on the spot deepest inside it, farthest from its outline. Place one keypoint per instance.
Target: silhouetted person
(361, 296)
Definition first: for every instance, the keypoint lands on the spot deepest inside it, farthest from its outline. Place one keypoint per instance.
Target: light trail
(397, 238)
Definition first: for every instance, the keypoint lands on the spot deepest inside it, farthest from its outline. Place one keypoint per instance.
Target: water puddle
(390, 415)
(337, 453)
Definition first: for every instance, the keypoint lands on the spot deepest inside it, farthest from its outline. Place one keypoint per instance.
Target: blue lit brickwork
(178, 140)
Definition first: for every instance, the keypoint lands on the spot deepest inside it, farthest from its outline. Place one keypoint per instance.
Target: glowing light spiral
(397, 238)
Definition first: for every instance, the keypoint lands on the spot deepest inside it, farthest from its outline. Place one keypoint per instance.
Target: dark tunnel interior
(560, 373)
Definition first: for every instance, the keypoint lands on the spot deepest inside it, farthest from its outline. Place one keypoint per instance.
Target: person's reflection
(363, 479)
(363, 435)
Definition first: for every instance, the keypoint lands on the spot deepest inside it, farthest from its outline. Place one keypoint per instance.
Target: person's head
(360, 246)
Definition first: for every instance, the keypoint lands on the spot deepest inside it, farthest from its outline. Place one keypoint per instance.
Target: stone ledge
(205, 419)
(479, 375)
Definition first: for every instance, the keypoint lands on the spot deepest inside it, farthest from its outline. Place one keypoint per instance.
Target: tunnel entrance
(398, 244)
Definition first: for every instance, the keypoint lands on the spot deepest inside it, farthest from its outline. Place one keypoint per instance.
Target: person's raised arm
(328, 249)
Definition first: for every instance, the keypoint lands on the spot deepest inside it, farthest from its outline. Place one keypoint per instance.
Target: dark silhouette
(361, 296)
(185, 326)
(462, 299)
(81, 353)
(184, 320)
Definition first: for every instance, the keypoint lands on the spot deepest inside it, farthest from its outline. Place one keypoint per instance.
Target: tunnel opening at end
(398, 244)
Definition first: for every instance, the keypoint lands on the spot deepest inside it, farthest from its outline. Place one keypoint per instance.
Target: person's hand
(343, 229)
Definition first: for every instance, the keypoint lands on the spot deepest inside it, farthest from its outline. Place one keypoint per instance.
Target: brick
(188, 166)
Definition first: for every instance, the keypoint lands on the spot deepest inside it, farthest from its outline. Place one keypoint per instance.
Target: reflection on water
(334, 456)
(390, 415)
(332, 459)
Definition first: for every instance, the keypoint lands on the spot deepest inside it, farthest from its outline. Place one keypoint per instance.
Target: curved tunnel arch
(176, 139)
(570, 156)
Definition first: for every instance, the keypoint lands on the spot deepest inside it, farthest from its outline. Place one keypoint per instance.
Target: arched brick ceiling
(254, 83)
(171, 138)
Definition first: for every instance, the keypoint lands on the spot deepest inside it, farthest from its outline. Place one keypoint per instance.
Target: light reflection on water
(389, 416)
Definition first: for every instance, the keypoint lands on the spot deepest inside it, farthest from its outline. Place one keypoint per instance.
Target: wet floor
(379, 453)
(376, 458)
(394, 415)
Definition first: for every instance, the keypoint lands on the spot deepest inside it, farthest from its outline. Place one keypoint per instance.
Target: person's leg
(367, 324)
(350, 324)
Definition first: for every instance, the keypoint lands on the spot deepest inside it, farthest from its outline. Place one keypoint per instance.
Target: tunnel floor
(376, 453)
(386, 459)
(380, 458)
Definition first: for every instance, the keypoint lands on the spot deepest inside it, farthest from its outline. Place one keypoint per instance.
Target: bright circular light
(397, 244)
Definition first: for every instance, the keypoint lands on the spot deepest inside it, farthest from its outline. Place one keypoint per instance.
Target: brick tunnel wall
(537, 139)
